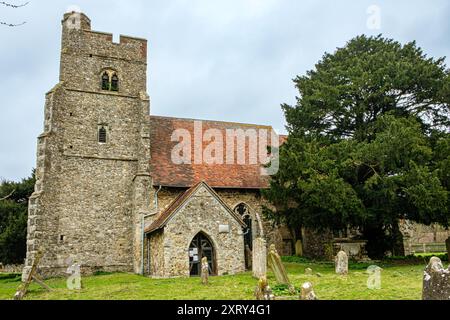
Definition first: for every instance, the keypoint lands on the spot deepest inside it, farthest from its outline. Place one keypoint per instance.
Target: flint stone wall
(11, 268)
(417, 237)
(89, 197)
(272, 234)
(202, 213)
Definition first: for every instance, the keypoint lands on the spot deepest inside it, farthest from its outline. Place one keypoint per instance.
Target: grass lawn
(399, 282)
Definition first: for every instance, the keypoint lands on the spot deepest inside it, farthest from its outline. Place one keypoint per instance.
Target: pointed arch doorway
(201, 246)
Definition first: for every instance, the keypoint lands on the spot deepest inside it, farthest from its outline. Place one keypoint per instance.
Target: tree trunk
(377, 242)
(398, 247)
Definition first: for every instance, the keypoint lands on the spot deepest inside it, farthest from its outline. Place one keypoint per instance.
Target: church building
(121, 190)
(114, 192)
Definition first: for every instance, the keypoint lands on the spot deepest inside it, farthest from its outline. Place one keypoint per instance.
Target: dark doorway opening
(201, 246)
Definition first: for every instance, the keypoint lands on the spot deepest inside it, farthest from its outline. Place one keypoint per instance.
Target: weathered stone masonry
(94, 198)
(202, 212)
(90, 197)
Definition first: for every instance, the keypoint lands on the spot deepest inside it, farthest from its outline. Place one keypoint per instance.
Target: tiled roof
(172, 209)
(166, 173)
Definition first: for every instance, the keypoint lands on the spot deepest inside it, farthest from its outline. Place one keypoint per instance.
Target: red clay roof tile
(166, 173)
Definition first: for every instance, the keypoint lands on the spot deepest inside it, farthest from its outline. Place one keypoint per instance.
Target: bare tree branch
(9, 195)
(13, 5)
(11, 25)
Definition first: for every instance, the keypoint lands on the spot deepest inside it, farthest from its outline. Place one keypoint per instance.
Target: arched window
(102, 134)
(105, 81)
(110, 80)
(115, 83)
(244, 211)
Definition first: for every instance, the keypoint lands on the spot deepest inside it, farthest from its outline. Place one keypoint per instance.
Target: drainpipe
(143, 228)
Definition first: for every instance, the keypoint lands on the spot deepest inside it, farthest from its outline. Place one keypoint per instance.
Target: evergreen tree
(368, 144)
(13, 219)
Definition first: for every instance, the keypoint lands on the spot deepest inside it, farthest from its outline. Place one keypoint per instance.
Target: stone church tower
(93, 172)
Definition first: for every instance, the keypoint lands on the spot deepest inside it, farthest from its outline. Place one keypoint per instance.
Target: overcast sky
(230, 60)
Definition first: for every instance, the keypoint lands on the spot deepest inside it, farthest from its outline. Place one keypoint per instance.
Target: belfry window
(115, 83)
(110, 81)
(105, 81)
(102, 134)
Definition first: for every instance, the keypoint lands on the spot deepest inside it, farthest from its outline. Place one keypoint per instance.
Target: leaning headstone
(436, 281)
(205, 270)
(277, 266)
(308, 292)
(447, 243)
(263, 291)
(259, 264)
(341, 261)
(308, 271)
(278, 269)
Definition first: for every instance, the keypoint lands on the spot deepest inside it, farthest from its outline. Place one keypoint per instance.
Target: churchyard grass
(399, 282)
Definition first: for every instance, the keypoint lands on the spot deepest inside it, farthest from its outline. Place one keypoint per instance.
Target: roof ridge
(167, 214)
(209, 120)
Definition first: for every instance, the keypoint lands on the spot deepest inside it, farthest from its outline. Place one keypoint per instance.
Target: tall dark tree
(347, 92)
(368, 143)
(13, 219)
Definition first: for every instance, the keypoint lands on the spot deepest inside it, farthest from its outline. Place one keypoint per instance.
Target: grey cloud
(228, 60)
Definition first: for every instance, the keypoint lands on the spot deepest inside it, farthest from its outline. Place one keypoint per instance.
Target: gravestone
(308, 292)
(341, 262)
(205, 271)
(436, 281)
(447, 244)
(259, 263)
(278, 269)
(277, 266)
(299, 248)
(308, 271)
(263, 290)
